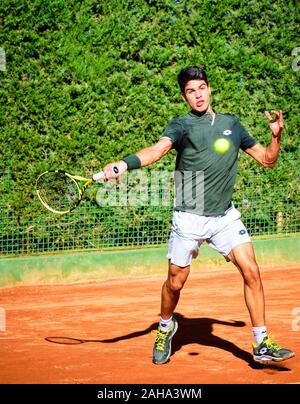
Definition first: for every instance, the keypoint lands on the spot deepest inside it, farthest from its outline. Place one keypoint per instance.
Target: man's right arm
(153, 153)
(147, 156)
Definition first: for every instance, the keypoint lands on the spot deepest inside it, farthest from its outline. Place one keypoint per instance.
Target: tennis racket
(60, 192)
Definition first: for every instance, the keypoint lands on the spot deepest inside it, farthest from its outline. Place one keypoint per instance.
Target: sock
(259, 333)
(165, 325)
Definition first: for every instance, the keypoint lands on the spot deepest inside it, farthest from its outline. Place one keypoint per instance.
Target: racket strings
(58, 191)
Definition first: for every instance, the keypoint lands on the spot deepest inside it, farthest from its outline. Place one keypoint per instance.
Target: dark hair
(191, 73)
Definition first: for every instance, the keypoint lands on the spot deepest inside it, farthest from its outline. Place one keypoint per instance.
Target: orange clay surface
(114, 319)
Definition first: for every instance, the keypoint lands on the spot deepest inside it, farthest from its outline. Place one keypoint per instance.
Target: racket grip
(99, 177)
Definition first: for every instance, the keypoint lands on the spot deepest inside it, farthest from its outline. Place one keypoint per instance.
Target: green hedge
(89, 81)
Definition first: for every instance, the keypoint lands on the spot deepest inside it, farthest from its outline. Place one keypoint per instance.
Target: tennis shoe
(162, 344)
(269, 351)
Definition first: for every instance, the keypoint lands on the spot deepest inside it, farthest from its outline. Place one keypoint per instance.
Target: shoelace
(160, 339)
(271, 344)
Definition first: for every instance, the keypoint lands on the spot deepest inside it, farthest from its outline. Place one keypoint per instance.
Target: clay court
(100, 332)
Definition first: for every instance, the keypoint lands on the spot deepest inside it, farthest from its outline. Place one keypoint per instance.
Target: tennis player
(203, 209)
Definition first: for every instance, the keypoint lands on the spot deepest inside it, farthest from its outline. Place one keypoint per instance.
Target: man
(210, 216)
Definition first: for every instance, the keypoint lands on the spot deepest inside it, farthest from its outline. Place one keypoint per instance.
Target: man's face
(197, 95)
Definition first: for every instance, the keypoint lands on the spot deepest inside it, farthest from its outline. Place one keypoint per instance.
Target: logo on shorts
(227, 132)
(242, 232)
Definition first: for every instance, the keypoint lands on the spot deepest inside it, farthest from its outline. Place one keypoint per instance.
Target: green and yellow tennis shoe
(162, 344)
(269, 351)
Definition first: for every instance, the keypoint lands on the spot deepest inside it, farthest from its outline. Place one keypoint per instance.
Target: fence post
(279, 219)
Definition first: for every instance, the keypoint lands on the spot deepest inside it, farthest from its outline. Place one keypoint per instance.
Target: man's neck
(210, 111)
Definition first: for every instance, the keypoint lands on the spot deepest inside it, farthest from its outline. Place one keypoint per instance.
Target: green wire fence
(268, 201)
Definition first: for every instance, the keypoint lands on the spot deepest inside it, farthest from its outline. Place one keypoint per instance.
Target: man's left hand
(276, 124)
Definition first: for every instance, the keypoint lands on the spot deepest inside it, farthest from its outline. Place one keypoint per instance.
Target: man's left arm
(267, 156)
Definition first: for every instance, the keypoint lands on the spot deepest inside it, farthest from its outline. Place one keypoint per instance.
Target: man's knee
(175, 285)
(177, 277)
(243, 258)
(251, 274)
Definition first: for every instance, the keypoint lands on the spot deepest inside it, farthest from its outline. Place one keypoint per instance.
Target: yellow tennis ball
(221, 145)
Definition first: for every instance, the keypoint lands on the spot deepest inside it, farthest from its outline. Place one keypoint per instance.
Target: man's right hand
(114, 170)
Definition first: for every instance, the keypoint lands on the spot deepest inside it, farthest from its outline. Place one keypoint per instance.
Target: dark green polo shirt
(204, 179)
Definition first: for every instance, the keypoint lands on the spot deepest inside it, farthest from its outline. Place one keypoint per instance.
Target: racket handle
(101, 176)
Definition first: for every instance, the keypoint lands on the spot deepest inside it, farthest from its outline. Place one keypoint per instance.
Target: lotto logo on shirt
(227, 132)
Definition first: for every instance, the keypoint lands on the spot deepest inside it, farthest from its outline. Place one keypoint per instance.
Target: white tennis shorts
(189, 231)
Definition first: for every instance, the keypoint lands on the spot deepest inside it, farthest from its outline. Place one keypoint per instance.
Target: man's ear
(209, 92)
(183, 97)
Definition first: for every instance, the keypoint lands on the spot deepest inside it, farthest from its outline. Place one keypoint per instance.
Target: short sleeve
(174, 131)
(247, 140)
